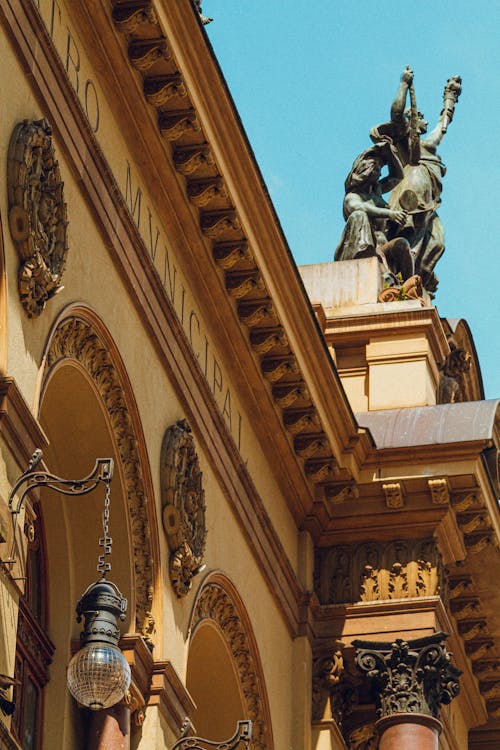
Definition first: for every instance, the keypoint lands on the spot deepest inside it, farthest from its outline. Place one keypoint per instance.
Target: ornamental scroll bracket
(37, 213)
(183, 506)
(240, 739)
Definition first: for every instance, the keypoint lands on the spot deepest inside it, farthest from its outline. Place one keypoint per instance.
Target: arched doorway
(87, 411)
(74, 419)
(224, 673)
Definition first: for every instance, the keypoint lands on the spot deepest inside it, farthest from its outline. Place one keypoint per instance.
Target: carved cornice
(183, 505)
(409, 676)
(215, 603)
(376, 571)
(20, 429)
(193, 157)
(76, 339)
(169, 693)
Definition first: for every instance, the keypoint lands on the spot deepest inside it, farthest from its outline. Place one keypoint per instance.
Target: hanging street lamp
(98, 674)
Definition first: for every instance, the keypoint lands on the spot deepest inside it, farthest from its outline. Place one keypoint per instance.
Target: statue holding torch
(419, 191)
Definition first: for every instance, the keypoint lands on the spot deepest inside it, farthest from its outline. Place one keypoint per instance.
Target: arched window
(34, 649)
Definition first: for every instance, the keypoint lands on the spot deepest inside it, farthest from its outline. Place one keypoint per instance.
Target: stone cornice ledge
(20, 429)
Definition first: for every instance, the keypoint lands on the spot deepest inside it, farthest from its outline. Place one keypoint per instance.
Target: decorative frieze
(409, 676)
(37, 213)
(183, 505)
(375, 571)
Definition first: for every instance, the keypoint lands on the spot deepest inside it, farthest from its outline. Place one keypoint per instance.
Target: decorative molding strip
(76, 339)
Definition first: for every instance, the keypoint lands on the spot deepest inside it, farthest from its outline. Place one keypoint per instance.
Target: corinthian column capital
(409, 677)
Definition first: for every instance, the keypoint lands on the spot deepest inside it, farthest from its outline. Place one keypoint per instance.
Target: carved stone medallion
(37, 213)
(183, 505)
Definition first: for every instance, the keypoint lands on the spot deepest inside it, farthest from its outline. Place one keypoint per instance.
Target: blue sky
(311, 79)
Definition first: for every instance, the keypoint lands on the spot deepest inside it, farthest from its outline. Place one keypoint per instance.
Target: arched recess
(224, 671)
(3, 307)
(80, 337)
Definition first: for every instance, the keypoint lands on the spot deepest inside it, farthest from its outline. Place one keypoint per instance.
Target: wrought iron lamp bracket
(242, 735)
(33, 477)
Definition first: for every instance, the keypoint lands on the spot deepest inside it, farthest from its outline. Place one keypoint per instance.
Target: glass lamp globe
(98, 676)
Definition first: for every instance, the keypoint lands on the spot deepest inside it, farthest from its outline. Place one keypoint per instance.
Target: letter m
(134, 204)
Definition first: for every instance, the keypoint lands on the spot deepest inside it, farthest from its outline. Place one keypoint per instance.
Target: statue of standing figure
(415, 172)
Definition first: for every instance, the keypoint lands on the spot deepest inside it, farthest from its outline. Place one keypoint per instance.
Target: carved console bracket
(183, 506)
(409, 676)
(37, 213)
(328, 667)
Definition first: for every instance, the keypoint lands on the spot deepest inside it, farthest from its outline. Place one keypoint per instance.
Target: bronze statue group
(405, 232)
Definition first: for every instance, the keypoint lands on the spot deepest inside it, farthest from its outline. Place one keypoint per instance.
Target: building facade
(302, 473)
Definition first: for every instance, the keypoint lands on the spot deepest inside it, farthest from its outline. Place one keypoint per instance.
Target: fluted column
(410, 682)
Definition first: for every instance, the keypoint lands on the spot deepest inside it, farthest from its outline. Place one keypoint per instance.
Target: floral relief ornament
(183, 506)
(37, 213)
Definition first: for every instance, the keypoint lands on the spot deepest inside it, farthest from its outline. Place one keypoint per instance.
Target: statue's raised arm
(399, 103)
(452, 91)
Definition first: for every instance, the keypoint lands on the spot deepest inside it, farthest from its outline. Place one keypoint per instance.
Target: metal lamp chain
(106, 542)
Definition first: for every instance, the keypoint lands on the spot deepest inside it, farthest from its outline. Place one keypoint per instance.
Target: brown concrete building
(302, 473)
